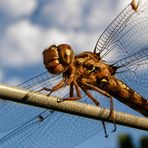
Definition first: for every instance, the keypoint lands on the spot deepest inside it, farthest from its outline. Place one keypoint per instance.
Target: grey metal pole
(71, 107)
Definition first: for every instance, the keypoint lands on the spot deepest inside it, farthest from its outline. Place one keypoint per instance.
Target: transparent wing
(25, 126)
(125, 44)
(133, 71)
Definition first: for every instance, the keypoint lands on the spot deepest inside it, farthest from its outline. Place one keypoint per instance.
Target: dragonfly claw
(114, 129)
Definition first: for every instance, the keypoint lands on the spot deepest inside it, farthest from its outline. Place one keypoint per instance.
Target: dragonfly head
(58, 58)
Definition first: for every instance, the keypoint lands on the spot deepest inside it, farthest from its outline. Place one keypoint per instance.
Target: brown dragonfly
(88, 71)
(117, 68)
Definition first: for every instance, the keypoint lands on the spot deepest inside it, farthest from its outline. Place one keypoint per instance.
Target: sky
(27, 27)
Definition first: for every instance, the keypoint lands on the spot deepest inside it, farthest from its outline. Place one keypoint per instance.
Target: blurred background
(27, 27)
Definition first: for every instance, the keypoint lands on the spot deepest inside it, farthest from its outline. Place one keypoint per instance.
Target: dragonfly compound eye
(66, 54)
(57, 58)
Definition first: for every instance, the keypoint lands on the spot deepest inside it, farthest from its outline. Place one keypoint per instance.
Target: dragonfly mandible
(117, 68)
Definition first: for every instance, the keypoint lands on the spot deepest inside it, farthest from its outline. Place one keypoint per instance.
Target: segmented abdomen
(128, 96)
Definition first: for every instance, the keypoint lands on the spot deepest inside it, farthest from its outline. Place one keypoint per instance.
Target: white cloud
(23, 42)
(55, 36)
(66, 13)
(82, 13)
(81, 21)
(78, 40)
(20, 44)
(17, 8)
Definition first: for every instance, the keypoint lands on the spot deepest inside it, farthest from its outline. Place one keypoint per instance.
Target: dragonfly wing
(125, 44)
(13, 115)
(125, 35)
(133, 71)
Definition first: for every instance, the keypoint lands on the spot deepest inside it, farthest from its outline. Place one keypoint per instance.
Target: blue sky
(27, 27)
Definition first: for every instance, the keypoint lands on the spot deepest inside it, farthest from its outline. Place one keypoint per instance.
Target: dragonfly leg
(44, 88)
(54, 88)
(97, 104)
(71, 90)
(77, 89)
(91, 97)
(104, 127)
(112, 113)
(90, 86)
(61, 84)
(71, 98)
(106, 94)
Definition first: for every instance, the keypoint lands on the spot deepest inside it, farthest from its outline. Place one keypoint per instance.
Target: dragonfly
(116, 69)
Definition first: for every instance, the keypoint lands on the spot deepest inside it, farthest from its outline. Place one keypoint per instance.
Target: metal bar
(71, 107)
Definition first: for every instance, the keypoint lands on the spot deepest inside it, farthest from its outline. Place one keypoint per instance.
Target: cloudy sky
(27, 27)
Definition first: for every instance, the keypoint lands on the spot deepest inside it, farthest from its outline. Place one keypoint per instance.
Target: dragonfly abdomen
(128, 96)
